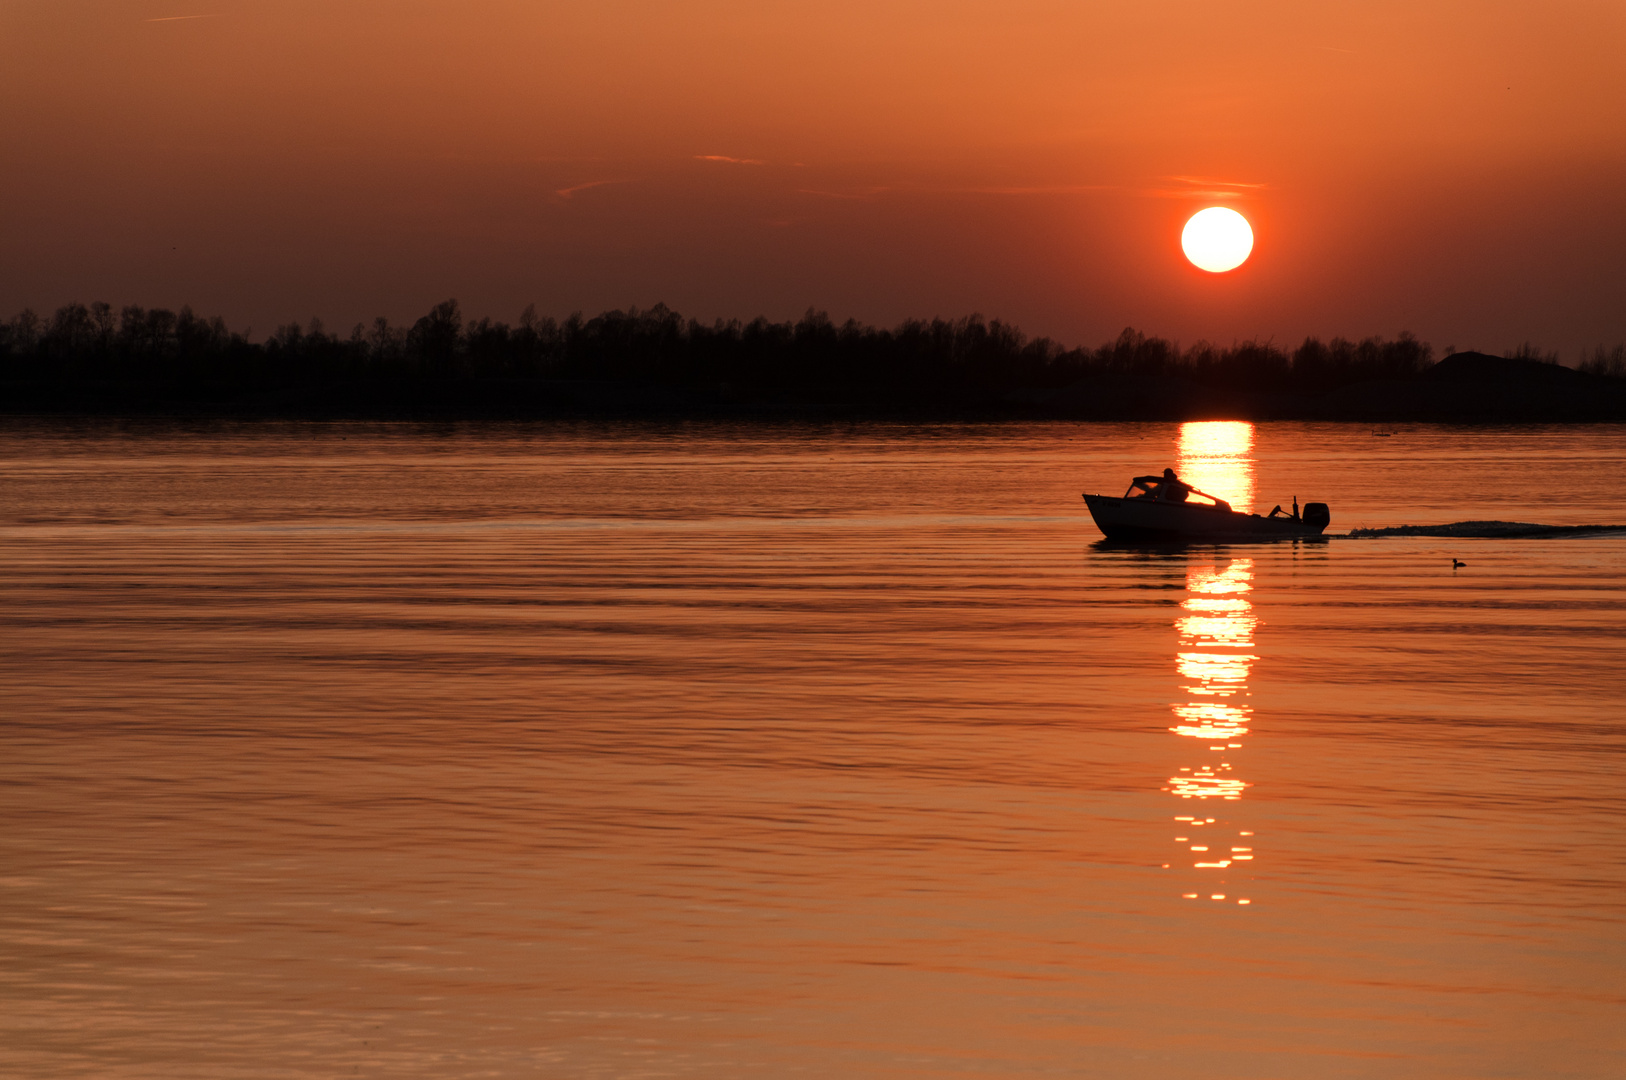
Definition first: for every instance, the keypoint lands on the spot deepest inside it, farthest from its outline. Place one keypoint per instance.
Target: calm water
(757, 752)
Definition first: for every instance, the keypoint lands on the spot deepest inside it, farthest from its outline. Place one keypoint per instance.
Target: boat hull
(1148, 521)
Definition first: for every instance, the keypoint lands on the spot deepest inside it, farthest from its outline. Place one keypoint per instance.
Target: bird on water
(1455, 563)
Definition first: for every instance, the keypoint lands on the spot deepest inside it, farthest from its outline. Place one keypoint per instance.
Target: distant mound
(1472, 387)
(1487, 530)
(1477, 367)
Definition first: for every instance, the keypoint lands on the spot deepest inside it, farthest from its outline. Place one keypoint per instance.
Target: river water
(760, 751)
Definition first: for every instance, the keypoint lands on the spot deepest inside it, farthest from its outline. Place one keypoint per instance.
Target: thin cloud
(932, 189)
(1209, 181)
(724, 158)
(183, 18)
(567, 192)
(1191, 193)
(1052, 189)
(1203, 187)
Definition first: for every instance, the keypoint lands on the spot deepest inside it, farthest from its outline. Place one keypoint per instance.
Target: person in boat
(1165, 488)
(1173, 489)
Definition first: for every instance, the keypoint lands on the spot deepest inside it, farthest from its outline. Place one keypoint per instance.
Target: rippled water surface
(573, 752)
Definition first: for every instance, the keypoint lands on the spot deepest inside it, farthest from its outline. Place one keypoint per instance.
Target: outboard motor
(1316, 516)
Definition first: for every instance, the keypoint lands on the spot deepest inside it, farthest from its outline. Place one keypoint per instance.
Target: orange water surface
(758, 751)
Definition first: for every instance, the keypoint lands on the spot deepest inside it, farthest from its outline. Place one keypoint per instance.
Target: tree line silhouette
(970, 360)
(641, 361)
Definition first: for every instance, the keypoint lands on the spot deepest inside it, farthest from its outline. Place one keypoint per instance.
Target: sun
(1217, 239)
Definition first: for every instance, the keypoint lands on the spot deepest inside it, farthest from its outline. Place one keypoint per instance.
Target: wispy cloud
(1203, 187)
(184, 18)
(567, 192)
(725, 159)
(1192, 193)
(1043, 189)
(1209, 181)
(934, 189)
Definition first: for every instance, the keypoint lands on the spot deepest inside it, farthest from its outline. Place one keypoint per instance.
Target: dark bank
(93, 360)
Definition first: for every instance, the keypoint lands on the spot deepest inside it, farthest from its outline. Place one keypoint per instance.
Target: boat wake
(1487, 529)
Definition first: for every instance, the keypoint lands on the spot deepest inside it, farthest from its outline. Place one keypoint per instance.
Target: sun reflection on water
(1216, 456)
(1214, 658)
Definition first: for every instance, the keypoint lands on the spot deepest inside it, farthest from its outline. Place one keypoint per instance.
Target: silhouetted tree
(1610, 363)
(433, 339)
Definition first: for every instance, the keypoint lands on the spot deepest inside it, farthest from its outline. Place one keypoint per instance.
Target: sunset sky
(1456, 169)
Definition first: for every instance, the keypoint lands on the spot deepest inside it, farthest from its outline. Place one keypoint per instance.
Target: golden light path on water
(1217, 457)
(1215, 633)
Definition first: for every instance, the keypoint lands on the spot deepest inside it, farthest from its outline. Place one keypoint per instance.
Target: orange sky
(1458, 169)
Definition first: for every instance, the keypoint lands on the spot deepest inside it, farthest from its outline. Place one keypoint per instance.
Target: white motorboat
(1163, 509)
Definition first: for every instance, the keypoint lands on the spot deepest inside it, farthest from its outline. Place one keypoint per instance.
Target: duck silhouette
(1455, 563)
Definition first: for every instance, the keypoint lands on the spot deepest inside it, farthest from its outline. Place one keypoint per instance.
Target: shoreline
(544, 400)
